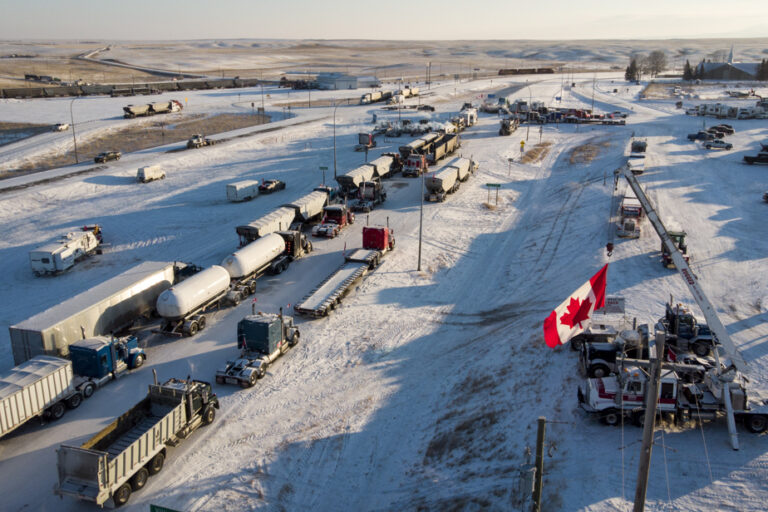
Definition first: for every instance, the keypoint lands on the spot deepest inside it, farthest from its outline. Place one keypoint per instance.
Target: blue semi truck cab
(96, 361)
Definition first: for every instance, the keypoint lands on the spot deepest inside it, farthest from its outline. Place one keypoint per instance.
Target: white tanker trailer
(182, 306)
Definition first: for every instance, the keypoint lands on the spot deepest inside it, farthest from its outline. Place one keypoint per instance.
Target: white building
(336, 81)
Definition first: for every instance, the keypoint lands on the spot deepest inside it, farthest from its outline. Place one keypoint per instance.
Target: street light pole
(72, 122)
(530, 107)
(335, 106)
(262, 99)
(421, 218)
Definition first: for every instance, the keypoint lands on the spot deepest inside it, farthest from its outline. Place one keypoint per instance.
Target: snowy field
(421, 392)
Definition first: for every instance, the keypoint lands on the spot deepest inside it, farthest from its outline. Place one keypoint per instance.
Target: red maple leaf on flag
(577, 312)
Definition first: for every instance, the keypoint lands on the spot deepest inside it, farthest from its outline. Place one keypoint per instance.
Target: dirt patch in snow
(536, 153)
(587, 152)
(138, 136)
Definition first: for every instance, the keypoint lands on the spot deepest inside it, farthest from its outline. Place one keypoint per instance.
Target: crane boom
(688, 276)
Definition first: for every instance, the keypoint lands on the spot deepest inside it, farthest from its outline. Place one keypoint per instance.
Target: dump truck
(377, 241)
(386, 165)
(414, 165)
(150, 109)
(335, 218)
(119, 459)
(242, 190)
(107, 308)
(443, 146)
(308, 208)
(261, 338)
(441, 183)
(42, 386)
(277, 220)
(59, 256)
(369, 195)
(349, 182)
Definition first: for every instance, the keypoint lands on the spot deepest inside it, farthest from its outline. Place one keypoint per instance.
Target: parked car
(269, 186)
(718, 144)
(702, 135)
(716, 132)
(725, 128)
(106, 156)
(61, 127)
(429, 108)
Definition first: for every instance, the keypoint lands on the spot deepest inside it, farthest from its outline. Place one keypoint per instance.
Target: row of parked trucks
(448, 179)
(151, 109)
(396, 96)
(723, 111)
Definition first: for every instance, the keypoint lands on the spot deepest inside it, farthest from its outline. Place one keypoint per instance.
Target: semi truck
(446, 144)
(630, 215)
(377, 241)
(109, 307)
(276, 220)
(308, 208)
(369, 195)
(349, 182)
(150, 109)
(183, 306)
(261, 338)
(335, 218)
(242, 190)
(370, 97)
(59, 256)
(448, 179)
(47, 386)
(386, 165)
(119, 459)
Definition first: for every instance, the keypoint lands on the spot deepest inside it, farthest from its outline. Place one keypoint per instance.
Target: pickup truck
(761, 158)
(702, 135)
(269, 186)
(106, 156)
(718, 144)
(61, 127)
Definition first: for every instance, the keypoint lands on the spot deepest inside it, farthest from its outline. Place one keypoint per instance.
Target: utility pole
(594, 77)
(539, 464)
(421, 217)
(649, 424)
(72, 119)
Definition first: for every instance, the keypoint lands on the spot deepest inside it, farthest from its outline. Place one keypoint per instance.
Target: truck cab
(415, 164)
(684, 331)
(100, 359)
(678, 237)
(335, 218)
(261, 338)
(369, 194)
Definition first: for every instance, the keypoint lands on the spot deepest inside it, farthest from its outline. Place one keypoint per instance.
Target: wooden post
(539, 464)
(651, 400)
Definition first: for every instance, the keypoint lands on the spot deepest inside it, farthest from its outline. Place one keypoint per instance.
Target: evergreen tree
(762, 70)
(687, 71)
(631, 73)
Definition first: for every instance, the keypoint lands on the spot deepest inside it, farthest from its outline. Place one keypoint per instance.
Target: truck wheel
(190, 328)
(295, 340)
(122, 495)
(611, 418)
(756, 423)
(139, 361)
(88, 390)
(74, 401)
(261, 372)
(139, 480)
(252, 378)
(599, 371)
(638, 418)
(201, 322)
(219, 379)
(156, 464)
(57, 410)
(701, 348)
(209, 414)
(252, 287)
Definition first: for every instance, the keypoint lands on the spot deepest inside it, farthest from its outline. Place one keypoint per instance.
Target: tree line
(656, 62)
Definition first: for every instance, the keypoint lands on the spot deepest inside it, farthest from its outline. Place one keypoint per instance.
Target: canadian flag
(572, 316)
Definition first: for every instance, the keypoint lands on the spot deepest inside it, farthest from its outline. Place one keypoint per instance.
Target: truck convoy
(150, 109)
(119, 460)
(447, 180)
(106, 308)
(183, 306)
(46, 386)
(262, 339)
(57, 257)
(242, 190)
(328, 294)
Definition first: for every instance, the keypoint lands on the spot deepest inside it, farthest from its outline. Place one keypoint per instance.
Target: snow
(421, 390)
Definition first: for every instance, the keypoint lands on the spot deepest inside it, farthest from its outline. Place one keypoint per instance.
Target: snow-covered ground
(423, 389)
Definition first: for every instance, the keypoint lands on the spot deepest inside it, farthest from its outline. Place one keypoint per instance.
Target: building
(729, 70)
(336, 81)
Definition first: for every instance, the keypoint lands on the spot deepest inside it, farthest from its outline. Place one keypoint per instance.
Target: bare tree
(719, 56)
(656, 62)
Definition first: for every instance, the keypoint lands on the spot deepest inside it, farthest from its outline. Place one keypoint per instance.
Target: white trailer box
(464, 167)
(382, 165)
(27, 390)
(242, 190)
(150, 173)
(57, 257)
(105, 308)
(277, 220)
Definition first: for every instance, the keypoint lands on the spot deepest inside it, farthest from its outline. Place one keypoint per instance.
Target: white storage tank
(187, 296)
(254, 256)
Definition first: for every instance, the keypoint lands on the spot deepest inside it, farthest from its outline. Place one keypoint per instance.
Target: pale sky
(382, 19)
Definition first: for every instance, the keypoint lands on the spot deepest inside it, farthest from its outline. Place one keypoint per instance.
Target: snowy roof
(94, 343)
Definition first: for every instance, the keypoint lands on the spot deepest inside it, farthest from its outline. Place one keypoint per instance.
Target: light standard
(335, 106)
(530, 106)
(72, 122)
(262, 99)
(421, 218)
